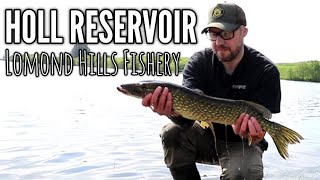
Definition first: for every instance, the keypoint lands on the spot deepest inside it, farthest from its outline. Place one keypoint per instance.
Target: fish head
(139, 89)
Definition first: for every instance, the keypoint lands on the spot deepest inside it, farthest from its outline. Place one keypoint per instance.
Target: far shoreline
(296, 71)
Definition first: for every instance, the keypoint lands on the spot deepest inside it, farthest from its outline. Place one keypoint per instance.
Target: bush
(307, 71)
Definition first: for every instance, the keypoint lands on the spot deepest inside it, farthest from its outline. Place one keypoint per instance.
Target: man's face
(227, 50)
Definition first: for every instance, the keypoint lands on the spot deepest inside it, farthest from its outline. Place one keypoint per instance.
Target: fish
(194, 105)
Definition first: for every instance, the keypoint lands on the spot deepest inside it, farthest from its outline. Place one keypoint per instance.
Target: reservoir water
(78, 127)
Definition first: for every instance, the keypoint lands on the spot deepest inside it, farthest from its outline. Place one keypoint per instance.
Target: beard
(225, 54)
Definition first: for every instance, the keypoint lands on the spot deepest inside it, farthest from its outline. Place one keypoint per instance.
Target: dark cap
(226, 16)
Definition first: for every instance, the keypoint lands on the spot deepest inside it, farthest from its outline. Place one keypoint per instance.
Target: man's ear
(244, 31)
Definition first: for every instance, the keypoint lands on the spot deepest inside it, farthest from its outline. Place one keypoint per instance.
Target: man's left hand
(248, 125)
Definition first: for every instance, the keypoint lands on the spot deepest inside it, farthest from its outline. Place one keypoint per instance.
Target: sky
(285, 31)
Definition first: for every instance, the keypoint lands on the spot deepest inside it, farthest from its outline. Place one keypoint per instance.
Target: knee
(231, 174)
(255, 172)
(169, 135)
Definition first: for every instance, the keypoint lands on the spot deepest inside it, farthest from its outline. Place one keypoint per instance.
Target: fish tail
(282, 137)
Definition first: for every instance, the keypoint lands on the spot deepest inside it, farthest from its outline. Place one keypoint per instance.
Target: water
(82, 128)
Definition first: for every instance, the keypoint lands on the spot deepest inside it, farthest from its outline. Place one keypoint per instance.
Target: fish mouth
(121, 89)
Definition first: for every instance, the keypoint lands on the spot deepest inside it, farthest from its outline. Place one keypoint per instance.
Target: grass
(284, 69)
(300, 71)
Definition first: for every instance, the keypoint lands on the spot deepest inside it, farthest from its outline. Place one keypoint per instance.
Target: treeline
(302, 71)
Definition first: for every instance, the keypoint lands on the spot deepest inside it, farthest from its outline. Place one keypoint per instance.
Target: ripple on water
(86, 134)
(66, 157)
(79, 169)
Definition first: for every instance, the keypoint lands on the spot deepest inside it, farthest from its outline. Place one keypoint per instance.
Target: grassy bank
(301, 71)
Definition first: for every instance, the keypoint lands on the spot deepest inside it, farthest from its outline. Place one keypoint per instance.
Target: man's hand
(248, 125)
(160, 101)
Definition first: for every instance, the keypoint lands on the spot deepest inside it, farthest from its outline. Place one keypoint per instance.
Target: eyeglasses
(226, 35)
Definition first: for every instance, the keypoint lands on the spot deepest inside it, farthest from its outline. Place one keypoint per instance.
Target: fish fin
(263, 110)
(282, 137)
(204, 124)
(198, 91)
(249, 139)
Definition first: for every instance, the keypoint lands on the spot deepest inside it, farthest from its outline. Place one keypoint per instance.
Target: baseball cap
(225, 16)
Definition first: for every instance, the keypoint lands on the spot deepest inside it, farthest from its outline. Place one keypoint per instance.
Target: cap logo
(217, 12)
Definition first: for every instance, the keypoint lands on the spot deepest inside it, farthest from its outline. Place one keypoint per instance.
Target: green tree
(315, 71)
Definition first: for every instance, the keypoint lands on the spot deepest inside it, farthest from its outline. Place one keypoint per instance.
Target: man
(229, 69)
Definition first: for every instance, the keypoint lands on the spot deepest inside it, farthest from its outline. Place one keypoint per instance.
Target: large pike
(199, 107)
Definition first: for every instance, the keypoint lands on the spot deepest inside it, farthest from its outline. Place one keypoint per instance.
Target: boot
(187, 172)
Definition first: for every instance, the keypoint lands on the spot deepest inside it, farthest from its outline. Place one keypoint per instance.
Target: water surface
(82, 128)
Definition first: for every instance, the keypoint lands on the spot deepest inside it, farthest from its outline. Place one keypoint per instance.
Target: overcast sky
(285, 31)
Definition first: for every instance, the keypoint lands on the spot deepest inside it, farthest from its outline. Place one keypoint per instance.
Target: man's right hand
(160, 101)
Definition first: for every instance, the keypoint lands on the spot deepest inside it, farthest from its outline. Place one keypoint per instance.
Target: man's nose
(219, 41)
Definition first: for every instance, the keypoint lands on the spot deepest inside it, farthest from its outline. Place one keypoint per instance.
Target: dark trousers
(183, 147)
